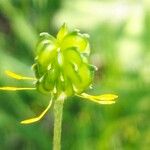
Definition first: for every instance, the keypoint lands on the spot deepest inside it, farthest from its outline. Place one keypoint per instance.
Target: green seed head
(61, 64)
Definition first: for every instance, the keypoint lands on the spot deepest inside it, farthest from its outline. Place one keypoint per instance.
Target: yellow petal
(101, 99)
(9, 88)
(106, 97)
(16, 76)
(104, 102)
(32, 120)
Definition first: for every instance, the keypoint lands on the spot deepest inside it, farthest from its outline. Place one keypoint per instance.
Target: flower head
(62, 66)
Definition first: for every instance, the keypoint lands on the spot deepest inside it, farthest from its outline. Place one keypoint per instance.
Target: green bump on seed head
(61, 63)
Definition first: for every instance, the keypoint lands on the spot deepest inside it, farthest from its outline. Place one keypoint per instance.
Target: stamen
(35, 119)
(75, 67)
(91, 86)
(60, 59)
(74, 88)
(55, 90)
(9, 88)
(62, 78)
(49, 67)
(16, 76)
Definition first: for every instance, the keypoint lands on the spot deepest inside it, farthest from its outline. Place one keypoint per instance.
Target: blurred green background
(120, 48)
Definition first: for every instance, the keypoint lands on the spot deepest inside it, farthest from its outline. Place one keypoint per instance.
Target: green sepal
(62, 32)
(68, 87)
(72, 56)
(43, 40)
(77, 40)
(50, 79)
(48, 55)
(41, 89)
(85, 76)
(35, 69)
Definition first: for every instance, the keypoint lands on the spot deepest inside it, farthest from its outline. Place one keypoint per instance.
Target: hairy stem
(58, 112)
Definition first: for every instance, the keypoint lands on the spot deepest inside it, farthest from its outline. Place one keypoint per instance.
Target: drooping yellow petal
(105, 97)
(101, 99)
(16, 76)
(11, 88)
(103, 102)
(35, 119)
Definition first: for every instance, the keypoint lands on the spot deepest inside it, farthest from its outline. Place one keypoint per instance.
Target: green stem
(58, 112)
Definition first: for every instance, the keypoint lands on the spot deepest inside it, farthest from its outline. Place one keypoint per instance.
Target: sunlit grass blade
(11, 88)
(17, 76)
(101, 99)
(35, 119)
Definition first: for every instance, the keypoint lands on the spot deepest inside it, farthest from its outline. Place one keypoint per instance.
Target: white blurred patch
(129, 54)
(86, 14)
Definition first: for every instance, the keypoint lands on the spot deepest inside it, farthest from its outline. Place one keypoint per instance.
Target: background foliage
(120, 42)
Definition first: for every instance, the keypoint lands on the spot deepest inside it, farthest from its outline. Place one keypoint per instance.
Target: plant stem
(58, 112)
